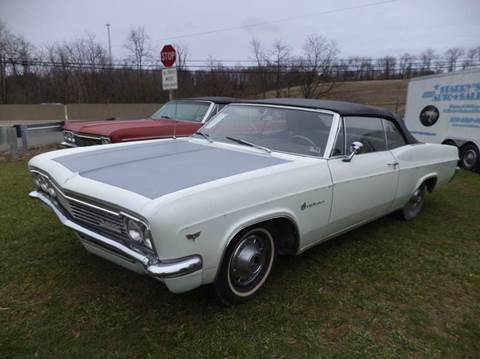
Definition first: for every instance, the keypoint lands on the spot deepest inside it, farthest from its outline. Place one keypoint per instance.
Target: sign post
(168, 56)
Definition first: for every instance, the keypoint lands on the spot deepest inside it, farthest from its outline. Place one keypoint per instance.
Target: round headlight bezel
(68, 136)
(135, 231)
(37, 180)
(43, 184)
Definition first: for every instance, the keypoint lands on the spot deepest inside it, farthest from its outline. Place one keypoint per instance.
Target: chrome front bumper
(153, 266)
(68, 144)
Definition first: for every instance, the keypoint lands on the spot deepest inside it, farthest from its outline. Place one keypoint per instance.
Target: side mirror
(355, 147)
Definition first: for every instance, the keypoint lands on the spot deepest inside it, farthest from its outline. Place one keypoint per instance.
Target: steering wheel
(306, 139)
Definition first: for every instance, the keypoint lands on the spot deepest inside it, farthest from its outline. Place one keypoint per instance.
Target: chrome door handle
(394, 164)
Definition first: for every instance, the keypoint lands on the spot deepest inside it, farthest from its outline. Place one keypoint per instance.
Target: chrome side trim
(208, 113)
(332, 137)
(153, 267)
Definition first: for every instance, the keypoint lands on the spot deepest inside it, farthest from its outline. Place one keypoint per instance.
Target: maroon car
(181, 117)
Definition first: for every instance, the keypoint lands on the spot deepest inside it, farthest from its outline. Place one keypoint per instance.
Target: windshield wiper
(204, 135)
(167, 117)
(243, 142)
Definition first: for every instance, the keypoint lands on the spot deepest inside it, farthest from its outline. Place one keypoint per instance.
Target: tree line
(82, 71)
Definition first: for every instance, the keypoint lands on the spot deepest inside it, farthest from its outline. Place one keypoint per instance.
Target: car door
(364, 187)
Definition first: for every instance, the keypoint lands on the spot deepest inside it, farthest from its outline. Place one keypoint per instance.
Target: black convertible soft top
(341, 107)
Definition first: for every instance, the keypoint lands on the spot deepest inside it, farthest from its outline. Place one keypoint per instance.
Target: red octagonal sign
(168, 56)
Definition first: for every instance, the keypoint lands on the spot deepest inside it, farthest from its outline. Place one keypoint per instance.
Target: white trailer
(445, 108)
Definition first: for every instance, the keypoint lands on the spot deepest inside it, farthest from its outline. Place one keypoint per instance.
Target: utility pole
(109, 45)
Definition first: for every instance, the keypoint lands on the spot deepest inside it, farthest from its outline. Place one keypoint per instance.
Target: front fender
(235, 226)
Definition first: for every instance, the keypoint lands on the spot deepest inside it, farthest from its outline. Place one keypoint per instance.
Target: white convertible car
(262, 178)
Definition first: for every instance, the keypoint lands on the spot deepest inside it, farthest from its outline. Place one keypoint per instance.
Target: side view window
(339, 148)
(367, 130)
(394, 137)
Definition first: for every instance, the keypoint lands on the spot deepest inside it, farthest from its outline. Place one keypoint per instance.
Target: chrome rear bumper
(153, 266)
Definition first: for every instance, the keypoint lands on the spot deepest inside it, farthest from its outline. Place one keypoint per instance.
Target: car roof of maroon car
(216, 99)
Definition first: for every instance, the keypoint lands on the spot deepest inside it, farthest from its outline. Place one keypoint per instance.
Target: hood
(107, 128)
(158, 168)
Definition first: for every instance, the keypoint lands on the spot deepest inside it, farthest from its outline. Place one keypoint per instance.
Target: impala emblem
(306, 205)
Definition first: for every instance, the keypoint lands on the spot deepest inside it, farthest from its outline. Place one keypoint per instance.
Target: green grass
(388, 289)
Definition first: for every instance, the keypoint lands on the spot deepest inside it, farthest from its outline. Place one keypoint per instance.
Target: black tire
(246, 266)
(470, 157)
(414, 205)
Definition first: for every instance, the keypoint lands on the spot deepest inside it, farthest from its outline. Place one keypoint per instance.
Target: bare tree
(278, 58)
(472, 58)
(319, 55)
(138, 46)
(182, 55)
(406, 64)
(258, 52)
(451, 56)
(261, 72)
(5, 39)
(426, 58)
(387, 65)
(88, 51)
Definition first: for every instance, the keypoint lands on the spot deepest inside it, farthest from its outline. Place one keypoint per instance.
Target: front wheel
(246, 266)
(414, 205)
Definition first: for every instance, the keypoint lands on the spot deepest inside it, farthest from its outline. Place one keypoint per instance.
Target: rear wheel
(246, 266)
(470, 157)
(415, 204)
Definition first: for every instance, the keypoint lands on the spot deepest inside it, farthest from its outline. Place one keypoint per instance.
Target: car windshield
(296, 131)
(183, 110)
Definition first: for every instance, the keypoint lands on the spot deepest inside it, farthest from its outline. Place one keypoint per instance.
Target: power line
(291, 18)
(371, 66)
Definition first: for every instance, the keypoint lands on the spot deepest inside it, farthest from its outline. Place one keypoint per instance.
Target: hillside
(391, 94)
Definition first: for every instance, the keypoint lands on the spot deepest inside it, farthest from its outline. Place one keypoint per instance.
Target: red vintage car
(178, 118)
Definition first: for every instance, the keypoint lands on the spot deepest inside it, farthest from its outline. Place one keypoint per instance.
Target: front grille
(98, 220)
(86, 141)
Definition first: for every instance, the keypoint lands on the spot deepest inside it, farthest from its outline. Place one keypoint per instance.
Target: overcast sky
(383, 29)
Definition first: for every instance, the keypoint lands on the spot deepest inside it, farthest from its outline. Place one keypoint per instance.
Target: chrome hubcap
(248, 260)
(416, 198)
(470, 158)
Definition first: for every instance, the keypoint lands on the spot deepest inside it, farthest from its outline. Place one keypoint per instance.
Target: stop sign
(168, 56)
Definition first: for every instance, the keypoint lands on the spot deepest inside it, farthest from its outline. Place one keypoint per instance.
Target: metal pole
(65, 113)
(24, 135)
(12, 142)
(170, 95)
(109, 44)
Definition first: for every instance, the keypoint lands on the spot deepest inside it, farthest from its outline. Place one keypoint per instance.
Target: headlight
(37, 180)
(51, 192)
(135, 231)
(68, 136)
(139, 233)
(43, 184)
